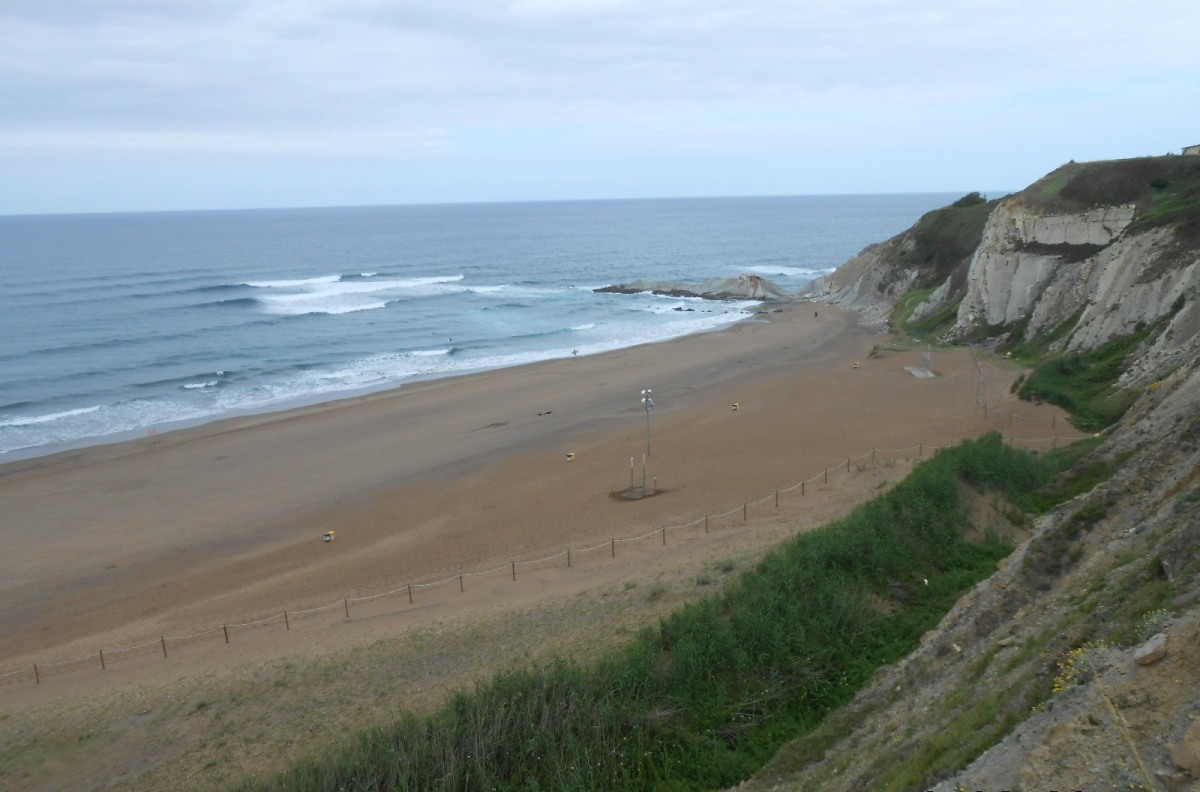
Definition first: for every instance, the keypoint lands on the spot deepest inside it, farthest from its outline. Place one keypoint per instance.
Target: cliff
(1087, 254)
(1077, 664)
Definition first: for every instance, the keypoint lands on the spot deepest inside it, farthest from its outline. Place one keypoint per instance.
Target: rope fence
(564, 558)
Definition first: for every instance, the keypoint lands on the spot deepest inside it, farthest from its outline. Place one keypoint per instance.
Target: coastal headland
(186, 531)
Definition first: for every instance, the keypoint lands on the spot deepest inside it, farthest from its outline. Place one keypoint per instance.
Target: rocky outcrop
(867, 283)
(744, 287)
(1021, 253)
(1040, 271)
(1076, 268)
(1077, 664)
(933, 253)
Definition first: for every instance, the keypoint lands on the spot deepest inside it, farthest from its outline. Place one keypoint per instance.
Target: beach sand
(180, 533)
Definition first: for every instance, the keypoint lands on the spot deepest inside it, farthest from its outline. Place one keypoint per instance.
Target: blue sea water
(119, 325)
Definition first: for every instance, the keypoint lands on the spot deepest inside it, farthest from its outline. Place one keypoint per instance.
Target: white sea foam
(509, 290)
(514, 305)
(293, 284)
(667, 305)
(789, 271)
(48, 418)
(337, 296)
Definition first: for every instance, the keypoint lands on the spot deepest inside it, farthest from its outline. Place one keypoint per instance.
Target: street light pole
(648, 403)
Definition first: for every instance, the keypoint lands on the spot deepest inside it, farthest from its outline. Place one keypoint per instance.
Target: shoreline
(223, 523)
(318, 399)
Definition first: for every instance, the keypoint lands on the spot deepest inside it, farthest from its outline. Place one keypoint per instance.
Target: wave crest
(337, 294)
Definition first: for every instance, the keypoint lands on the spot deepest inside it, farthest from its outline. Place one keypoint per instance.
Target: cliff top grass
(1165, 190)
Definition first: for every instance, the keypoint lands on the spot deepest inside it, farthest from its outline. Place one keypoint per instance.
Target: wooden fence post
(102, 666)
(346, 602)
(164, 645)
(460, 583)
(410, 602)
(225, 627)
(36, 676)
(287, 624)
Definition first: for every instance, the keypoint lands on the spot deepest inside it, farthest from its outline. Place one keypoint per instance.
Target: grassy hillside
(707, 697)
(944, 239)
(1165, 190)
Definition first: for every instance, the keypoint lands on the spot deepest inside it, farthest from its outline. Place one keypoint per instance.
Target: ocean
(120, 325)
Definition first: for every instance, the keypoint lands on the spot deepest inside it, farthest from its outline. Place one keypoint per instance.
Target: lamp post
(648, 403)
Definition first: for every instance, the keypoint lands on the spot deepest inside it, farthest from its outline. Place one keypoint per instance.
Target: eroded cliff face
(1082, 276)
(1083, 651)
(870, 283)
(1034, 272)
(1021, 254)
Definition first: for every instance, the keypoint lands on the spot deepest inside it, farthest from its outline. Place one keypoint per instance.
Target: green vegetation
(1069, 472)
(907, 303)
(944, 238)
(1166, 190)
(932, 326)
(965, 736)
(1034, 350)
(1084, 384)
(928, 328)
(703, 700)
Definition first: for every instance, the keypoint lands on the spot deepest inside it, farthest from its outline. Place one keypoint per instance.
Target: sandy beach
(183, 532)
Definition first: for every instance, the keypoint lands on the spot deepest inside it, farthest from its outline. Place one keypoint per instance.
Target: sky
(148, 105)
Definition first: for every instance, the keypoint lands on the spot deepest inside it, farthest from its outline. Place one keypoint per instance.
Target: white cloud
(479, 84)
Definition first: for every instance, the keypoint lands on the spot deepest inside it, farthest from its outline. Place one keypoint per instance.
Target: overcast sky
(117, 105)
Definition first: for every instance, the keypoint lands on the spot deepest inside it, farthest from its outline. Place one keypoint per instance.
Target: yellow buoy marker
(735, 406)
(570, 456)
(329, 535)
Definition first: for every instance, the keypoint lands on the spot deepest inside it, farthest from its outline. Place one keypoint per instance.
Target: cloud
(362, 79)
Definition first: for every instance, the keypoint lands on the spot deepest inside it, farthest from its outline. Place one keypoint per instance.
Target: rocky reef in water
(743, 287)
